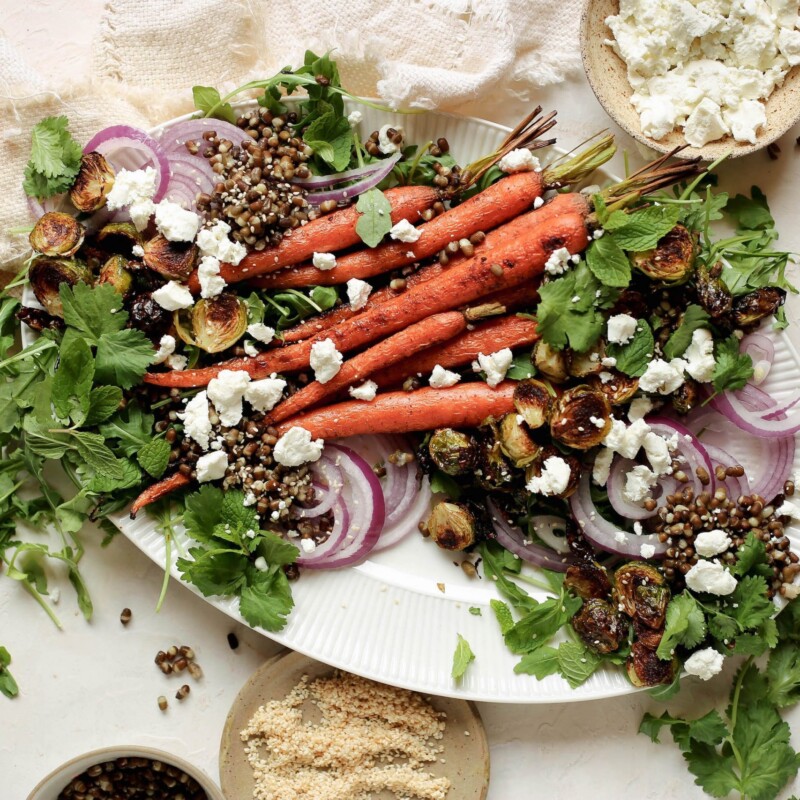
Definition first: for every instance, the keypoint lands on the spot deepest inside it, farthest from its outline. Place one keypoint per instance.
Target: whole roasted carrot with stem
(430, 331)
(466, 405)
(521, 258)
(491, 336)
(498, 203)
(158, 490)
(326, 234)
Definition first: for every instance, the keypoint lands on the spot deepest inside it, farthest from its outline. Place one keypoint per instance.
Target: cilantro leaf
(154, 457)
(750, 555)
(783, 675)
(123, 357)
(131, 427)
(275, 550)
(92, 311)
(8, 686)
(685, 625)
(55, 159)
(203, 512)
(331, 138)
(608, 263)
(521, 367)
(713, 771)
(693, 318)
(266, 600)
(642, 229)
(634, 357)
(462, 658)
(733, 369)
(540, 663)
(375, 219)
(749, 604)
(207, 99)
(709, 729)
(576, 663)
(214, 572)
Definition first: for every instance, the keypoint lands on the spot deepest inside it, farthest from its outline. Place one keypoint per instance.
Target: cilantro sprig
(55, 159)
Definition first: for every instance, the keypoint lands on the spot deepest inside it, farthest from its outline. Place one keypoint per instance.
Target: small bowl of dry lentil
(129, 772)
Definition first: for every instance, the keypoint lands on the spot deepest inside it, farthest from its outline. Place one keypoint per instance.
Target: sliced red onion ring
(174, 137)
(544, 526)
(736, 407)
(324, 550)
(513, 539)
(616, 491)
(762, 351)
(322, 181)
(346, 194)
(330, 483)
(690, 449)
(603, 534)
(400, 528)
(124, 146)
(40, 209)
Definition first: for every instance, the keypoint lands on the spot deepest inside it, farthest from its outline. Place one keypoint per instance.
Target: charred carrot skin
(495, 205)
(433, 330)
(511, 332)
(327, 234)
(402, 412)
(520, 258)
(158, 490)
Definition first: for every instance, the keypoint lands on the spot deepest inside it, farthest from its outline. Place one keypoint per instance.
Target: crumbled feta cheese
(324, 261)
(638, 483)
(662, 377)
(265, 394)
(710, 577)
(576, 298)
(705, 124)
(699, 356)
(621, 328)
(295, 447)
(711, 543)
(175, 222)
(627, 440)
(657, 451)
(606, 377)
(366, 391)
(358, 292)
(226, 392)
(385, 144)
(404, 231)
(621, 537)
(602, 466)
(495, 365)
(134, 188)
(647, 551)
(166, 347)
(172, 296)
(354, 118)
(214, 242)
(261, 564)
(554, 478)
(538, 202)
(176, 362)
(558, 262)
(637, 528)
(250, 349)
(704, 664)
(326, 360)
(639, 408)
(308, 545)
(261, 332)
(211, 466)
(211, 284)
(519, 160)
(441, 378)
(609, 361)
(598, 422)
(140, 213)
(598, 234)
(138, 251)
(788, 509)
(196, 422)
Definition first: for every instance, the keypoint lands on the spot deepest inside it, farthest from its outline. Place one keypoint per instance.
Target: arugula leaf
(685, 625)
(576, 663)
(331, 138)
(55, 159)
(462, 658)
(642, 229)
(324, 296)
(733, 369)
(706, 209)
(540, 624)
(634, 357)
(255, 308)
(693, 318)
(154, 457)
(752, 212)
(375, 219)
(608, 263)
(8, 686)
(539, 663)
(492, 555)
(208, 100)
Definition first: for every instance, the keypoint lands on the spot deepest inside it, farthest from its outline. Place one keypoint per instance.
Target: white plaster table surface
(95, 684)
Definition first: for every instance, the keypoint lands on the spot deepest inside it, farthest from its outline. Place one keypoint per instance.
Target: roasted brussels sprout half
(712, 294)
(588, 580)
(149, 317)
(453, 452)
(535, 469)
(645, 668)
(116, 272)
(46, 276)
(687, 396)
(173, 260)
(550, 362)
(580, 365)
(642, 593)
(647, 636)
(122, 233)
(581, 418)
(452, 526)
(599, 626)
(516, 442)
(534, 402)
(619, 390)
(752, 308)
(57, 235)
(217, 323)
(94, 182)
(672, 259)
(491, 468)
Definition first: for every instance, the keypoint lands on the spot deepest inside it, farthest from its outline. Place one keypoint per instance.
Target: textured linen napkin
(147, 55)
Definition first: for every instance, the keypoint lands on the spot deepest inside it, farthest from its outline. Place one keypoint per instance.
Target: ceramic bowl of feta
(720, 76)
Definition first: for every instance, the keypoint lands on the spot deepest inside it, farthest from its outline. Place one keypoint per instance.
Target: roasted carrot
(491, 336)
(158, 490)
(495, 205)
(430, 331)
(467, 406)
(327, 234)
(520, 257)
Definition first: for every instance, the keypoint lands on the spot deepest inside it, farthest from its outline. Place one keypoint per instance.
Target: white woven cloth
(148, 53)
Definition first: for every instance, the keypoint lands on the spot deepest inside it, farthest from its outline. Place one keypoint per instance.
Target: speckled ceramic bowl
(607, 76)
(51, 786)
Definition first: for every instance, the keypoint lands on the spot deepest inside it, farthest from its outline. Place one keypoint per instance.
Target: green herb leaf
(539, 625)
(154, 457)
(331, 138)
(8, 686)
(709, 729)
(476, 611)
(93, 311)
(324, 296)
(132, 428)
(123, 357)
(214, 572)
(521, 367)
(642, 229)
(752, 212)
(750, 555)
(208, 100)
(102, 483)
(94, 451)
(73, 381)
(375, 219)
(576, 663)
(103, 402)
(685, 625)
(540, 663)
(493, 556)
(783, 675)
(255, 308)
(275, 550)
(634, 357)
(693, 318)
(203, 512)
(442, 483)
(462, 658)
(503, 615)
(608, 263)
(55, 159)
(733, 369)
(266, 601)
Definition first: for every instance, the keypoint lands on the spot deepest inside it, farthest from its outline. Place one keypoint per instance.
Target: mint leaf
(576, 663)
(123, 357)
(733, 369)
(462, 658)
(476, 611)
(693, 318)
(154, 457)
(375, 219)
(208, 99)
(540, 663)
(102, 483)
(103, 402)
(331, 138)
(266, 600)
(94, 451)
(55, 159)
(73, 381)
(493, 556)
(634, 357)
(503, 615)
(608, 263)
(642, 229)
(685, 625)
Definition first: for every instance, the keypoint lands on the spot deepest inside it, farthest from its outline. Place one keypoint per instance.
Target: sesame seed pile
(351, 753)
